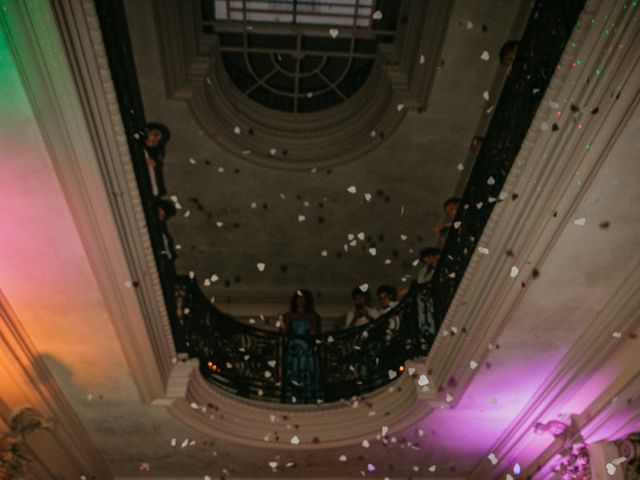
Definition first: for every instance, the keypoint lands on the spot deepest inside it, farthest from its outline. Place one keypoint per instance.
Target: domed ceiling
(266, 206)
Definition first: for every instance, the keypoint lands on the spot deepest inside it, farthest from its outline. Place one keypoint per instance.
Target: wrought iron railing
(548, 29)
(272, 365)
(258, 363)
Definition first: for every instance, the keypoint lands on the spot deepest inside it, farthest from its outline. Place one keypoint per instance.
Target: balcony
(253, 362)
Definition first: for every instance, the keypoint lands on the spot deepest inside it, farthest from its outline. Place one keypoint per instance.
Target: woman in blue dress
(301, 370)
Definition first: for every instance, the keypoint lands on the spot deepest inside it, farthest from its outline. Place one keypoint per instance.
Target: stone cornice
(33, 386)
(197, 403)
(487, 295)
(77, 111)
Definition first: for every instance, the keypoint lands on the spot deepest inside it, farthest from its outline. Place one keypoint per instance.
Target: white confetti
(485, 95)
(423, 380)
(544, 126)
(365, 443)
(295, 440)
(272, 363)
(387, 261)
(301, 218)
(342, 458)
(192, 274)
(219, 224)
(469, 24)
(373, 134)
(373, 252)
(385, 430)
(236, 130)
(403, 237)
(360, 236)
(432, 468)
(214, 278)
(128, 283)
(334, 32)
(611, 468)
(267, 374)
(187, 214)
(460, 167)
(273, 465)
(422, 59)
(492, 458)
(352, 189)
(580, 221)
(260, 266)
(457, 224)
(616, 334)
(207, 282)
(367, 197)
(272, 152)
(508, 477)
(324, 253)
(619, 460)
(364, 287)
(192, 161)
(473, 365)
(483, 250)
(392, 374)
(377, 15)
(491, 181)
(220, 169)
(449, 398)
(400, 107)
(514, 271)
(485, 56)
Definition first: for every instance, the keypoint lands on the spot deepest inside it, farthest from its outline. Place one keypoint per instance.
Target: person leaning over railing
(362, 312)
(156, 137)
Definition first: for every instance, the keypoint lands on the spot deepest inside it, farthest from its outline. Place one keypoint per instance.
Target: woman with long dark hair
(301, 372)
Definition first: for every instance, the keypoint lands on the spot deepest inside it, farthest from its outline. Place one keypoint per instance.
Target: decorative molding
(400, 81)
(14, 459)
(272, 425)
(486, 296)
(32, 388)
(77, 112)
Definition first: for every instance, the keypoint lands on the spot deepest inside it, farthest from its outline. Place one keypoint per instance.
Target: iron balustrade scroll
(271, 365)
(547, 32)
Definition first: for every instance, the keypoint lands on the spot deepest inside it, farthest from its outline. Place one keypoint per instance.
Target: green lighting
(598, 72)
(573, 44)
(593, 21)
(578, 62)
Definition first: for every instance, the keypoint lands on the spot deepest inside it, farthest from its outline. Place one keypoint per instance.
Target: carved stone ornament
(14, 461)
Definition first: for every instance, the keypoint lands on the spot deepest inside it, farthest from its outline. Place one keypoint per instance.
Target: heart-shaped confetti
(377, 15)
(432, 468)
(352, 189)
(492, 458)
(514, 271)
(342, 458)
(301, 218)
(373, 252)
(334, 32)
(236, 130)
(365, 443)
(400, 107)
(423, 380)
(260, 267)
(611, 468)
(273, 465)
(367, 197)
(295, 440)
(460, 166)
(324, 253)
(449, 398)
(469, 24)
(387, 261)
(364, 287)
(491, 181)
(485, 56)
